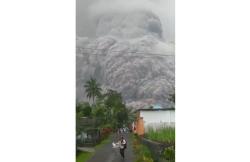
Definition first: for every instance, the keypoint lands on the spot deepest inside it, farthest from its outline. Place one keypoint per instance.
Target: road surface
(108, 154)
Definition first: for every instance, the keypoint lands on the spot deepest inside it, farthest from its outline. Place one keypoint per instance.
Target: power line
(139, 52)
(125, 51)
(132, 55)
(134, 52)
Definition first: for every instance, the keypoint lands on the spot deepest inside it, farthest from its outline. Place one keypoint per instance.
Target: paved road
(108, 154)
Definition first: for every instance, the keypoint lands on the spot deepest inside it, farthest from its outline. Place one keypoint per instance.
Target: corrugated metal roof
(157, 106)
(161, 109)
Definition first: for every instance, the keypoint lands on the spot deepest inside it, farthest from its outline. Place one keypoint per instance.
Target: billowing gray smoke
(130, 55)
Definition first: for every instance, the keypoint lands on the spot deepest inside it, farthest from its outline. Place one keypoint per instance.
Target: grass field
(166, 135)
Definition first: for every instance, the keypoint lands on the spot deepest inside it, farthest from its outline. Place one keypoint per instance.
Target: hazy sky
(85, 9)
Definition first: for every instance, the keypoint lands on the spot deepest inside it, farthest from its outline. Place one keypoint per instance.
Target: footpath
(108, 154)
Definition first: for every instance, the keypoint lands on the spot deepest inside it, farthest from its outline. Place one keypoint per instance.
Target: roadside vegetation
(169, 154)
(83, 156)
(163, 135)
(103, 113)
(108, 108)
(142, 153)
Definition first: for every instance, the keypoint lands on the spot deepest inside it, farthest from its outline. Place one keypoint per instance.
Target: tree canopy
(92, 89)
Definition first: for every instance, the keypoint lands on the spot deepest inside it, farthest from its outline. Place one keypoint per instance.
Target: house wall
(140, 126)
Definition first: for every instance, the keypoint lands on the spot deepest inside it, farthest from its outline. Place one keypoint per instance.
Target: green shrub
(83, 156)
(169, 154)
(166, 134)
(142, 153)
(84, 108)
(144, 159)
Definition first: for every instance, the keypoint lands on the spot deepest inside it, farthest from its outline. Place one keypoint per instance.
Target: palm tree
(92, 89)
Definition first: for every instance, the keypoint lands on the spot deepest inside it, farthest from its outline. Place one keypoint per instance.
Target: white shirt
(123, 142)
(119, 144)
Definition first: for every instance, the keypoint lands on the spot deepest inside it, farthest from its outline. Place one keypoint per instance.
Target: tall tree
(92, 89)
(113, 101)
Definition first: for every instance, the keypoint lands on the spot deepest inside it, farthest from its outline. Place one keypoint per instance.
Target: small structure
(153, 118)
(89, 135)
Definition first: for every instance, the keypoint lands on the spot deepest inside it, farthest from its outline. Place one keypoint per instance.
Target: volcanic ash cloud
(130, 55)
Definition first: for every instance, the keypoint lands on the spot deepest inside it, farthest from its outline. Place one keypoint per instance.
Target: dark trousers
(122, 152)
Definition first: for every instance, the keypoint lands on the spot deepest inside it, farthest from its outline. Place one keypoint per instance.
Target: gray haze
(85, 10)
(127, 46)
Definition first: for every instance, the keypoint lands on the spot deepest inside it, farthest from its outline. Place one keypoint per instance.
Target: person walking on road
(123, 146)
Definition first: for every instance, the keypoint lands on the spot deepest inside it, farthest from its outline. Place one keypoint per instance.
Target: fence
(89, 137)
(89, 134)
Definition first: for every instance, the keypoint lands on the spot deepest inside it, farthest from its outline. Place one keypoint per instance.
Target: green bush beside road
(163, 135)
(83, 156)
(142, 153)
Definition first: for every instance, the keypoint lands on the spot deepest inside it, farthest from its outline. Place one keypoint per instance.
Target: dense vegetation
(84, 156)
(165, 135)
(169, 154)
(141, 151)
(107, 108)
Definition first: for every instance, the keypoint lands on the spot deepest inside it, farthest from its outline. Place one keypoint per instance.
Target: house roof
(157, 106)
(162, 109)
